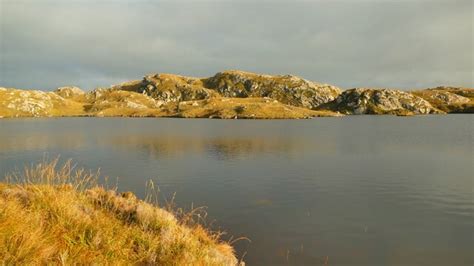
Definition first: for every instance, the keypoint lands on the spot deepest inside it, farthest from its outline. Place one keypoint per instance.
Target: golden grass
(60, 215)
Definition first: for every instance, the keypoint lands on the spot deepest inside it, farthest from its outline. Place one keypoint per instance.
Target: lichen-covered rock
(69, 92)
(449, 99)
(287, 89)
(381, 101)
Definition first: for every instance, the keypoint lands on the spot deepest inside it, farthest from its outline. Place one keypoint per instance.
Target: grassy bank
(51, 214)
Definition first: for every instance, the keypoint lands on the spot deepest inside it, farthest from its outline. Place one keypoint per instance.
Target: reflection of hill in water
(218, 147)
(225, 140)
(31, 141)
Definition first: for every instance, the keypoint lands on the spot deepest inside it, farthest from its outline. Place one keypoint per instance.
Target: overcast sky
(45, 44)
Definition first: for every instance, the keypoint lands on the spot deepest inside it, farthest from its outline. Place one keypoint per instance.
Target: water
(362, 190)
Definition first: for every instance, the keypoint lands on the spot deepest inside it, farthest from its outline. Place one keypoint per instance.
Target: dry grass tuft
(60, 215)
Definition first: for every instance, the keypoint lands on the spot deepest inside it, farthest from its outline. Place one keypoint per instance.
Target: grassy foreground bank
(61, 216)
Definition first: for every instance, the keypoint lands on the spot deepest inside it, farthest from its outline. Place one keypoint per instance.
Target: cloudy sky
(353, 43)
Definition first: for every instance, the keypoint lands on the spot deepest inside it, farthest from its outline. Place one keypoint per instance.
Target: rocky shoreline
(231, 94)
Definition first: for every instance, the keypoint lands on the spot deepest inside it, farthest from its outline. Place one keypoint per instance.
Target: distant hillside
(231, 94)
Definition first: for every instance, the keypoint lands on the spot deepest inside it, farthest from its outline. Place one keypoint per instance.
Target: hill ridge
(231, 94)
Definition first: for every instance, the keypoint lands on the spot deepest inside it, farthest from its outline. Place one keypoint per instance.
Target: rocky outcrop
(465, 92)
(449, 99)
(36, 103)
(69, 92)
(29, 103)
(166, 88)
(288, 89)
(104, 101)
(381, 101)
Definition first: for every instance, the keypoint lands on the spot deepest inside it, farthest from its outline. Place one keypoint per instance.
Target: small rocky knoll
(166, 88)
(381, 101)
(35, 103)
(113, 102)
(449, 99)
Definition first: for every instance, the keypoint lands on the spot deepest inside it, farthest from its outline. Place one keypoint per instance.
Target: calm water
(363, 190)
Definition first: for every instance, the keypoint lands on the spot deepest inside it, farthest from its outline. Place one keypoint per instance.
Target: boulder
(69, 92)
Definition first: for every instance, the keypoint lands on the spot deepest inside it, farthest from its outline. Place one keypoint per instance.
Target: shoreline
(219, 118)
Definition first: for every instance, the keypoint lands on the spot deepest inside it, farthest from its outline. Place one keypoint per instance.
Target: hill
(231, 94)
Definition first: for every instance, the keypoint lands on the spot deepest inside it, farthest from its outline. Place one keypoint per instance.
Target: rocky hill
(286, 89)
(230, 94)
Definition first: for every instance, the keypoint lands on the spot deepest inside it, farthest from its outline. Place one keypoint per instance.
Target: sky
(406, 44)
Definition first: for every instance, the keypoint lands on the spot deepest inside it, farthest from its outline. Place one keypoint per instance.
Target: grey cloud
(401, 44)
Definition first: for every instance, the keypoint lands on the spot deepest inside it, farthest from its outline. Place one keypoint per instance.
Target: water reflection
(357, 190)
(221, 148)
(31, 141)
